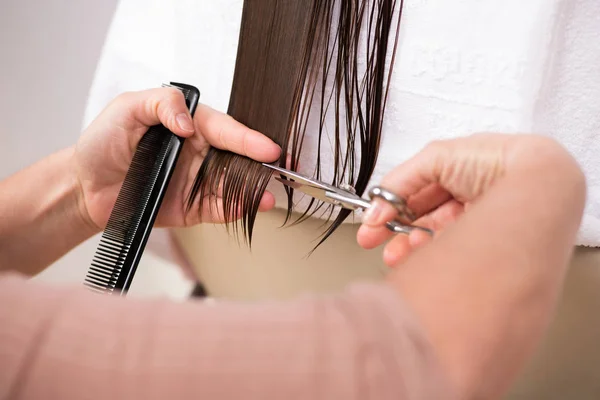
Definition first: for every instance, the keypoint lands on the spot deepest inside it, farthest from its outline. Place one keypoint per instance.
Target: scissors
(347, 199)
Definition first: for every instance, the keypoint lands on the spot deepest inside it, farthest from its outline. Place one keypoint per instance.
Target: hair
(294, 57)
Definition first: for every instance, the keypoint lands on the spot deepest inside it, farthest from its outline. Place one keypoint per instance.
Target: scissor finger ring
(401, 206)
(393, 199)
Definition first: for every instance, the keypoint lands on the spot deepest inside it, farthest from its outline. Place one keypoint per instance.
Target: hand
(105, 150)
(439, 183)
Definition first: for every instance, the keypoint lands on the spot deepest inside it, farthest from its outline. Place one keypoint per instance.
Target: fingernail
(185, 122)
(372, 214)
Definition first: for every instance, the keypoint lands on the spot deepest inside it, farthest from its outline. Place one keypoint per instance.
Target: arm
(478, 297)
(486, 288)
(66, 344)
(41, 214)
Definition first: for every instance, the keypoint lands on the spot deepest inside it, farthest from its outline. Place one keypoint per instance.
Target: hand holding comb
(132, 218)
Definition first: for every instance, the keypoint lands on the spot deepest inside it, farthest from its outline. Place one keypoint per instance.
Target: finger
(396, 250)
(442, 216)
(406, 180)
(400, 247)
(212, 210)
(267, 202)
(151, 107)
(428, 199)
(431, 196)
(370, 237)
(418, 238)
(224, 132)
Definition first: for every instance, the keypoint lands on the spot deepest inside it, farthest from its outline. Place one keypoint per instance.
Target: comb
(138, 202)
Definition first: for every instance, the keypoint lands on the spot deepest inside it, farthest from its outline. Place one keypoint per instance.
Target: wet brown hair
(293, 56)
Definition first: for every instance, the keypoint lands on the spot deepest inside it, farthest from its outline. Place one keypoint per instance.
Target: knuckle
(436, 146)
(164, 104)
(221, 136)
(222, 124)
(215, 123)
(438, 150)
(171, 100)
(174, 95)
(245, 134)
(123, 99)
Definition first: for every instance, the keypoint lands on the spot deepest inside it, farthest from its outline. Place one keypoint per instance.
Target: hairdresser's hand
(439, 183)
(105, 150)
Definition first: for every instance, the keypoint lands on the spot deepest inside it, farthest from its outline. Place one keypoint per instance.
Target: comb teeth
(108, 263)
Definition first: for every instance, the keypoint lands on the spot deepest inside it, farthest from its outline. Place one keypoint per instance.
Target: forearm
(41, 215)
(360, 344)
(486, 288)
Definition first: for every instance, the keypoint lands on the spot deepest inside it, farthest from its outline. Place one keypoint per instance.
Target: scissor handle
(401, 224)
(398, 227)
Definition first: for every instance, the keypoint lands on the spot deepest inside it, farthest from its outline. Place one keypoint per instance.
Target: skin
(505, 208)
(69, 195)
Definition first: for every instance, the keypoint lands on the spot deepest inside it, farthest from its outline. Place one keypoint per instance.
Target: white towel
(463, 66)
(568, 106)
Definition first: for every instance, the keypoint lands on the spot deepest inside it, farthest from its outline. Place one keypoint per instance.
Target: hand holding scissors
(346, 199)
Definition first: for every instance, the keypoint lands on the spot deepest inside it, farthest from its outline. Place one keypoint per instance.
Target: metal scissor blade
(313, 191)
(319, 190)
(338, 197)
(299, 178)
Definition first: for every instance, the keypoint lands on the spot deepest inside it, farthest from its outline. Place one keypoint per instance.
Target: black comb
(131, 220)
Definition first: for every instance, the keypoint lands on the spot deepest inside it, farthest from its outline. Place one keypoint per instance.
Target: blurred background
(49, 50)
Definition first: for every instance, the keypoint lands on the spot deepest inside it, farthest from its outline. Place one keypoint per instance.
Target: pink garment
(58, 343)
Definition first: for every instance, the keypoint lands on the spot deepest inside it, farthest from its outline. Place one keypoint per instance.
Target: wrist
(43, 214)
(79, 205)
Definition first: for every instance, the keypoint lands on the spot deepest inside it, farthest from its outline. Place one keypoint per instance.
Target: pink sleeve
(58, 343)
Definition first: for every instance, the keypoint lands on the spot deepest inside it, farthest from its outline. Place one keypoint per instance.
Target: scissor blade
(312, 191)
(298, 177)
(336, 197)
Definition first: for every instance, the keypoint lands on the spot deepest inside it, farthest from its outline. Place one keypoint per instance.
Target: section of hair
(295, 58)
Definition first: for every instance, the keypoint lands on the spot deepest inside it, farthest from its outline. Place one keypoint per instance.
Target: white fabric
(463, 66)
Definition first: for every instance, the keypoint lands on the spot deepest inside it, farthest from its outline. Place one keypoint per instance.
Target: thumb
(151, 107)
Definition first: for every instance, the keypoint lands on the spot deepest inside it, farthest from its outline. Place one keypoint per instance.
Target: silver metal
(397, 227)
(378, 191)
(398, 202)
(348, 188)
(347, 199)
